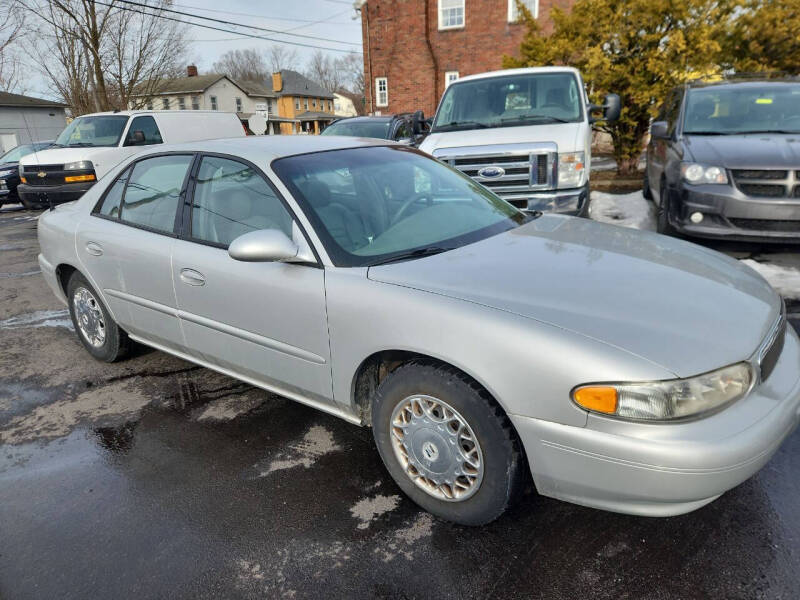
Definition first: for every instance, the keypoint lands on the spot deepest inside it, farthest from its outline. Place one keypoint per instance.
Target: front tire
(663, 212)
(447, 443)
(98, 332)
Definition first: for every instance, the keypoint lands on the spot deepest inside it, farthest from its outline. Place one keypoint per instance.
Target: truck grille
(54, 174)
(521, 171)
(768, 183)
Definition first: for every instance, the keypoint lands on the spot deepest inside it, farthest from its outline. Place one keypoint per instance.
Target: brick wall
(396, 47)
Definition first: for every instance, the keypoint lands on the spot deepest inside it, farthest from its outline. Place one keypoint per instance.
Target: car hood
(566, 136)
(684, 307)
(753, 151)
(8, 165)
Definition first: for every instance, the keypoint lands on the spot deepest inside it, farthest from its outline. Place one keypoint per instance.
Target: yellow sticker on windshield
(763, 100)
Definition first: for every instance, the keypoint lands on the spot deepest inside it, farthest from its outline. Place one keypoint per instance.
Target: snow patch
(367, 510)
(227, 409)
(40, 318)
(317, 442)
(785, 279)
(403, 541)
(626, 210)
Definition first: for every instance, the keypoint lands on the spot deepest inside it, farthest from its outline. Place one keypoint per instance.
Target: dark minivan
(724, 160)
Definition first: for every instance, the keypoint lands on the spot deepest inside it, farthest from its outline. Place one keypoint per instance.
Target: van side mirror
(659, 130)
(135, 138)
(612, 106)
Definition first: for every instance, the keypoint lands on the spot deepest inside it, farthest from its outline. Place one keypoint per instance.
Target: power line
(241, 14)
(240, 33)
(224, 22)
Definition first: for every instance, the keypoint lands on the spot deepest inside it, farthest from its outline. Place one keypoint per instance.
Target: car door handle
(94, 249)
(192, 277)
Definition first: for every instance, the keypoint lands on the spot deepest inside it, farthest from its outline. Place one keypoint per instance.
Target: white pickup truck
(523, 133)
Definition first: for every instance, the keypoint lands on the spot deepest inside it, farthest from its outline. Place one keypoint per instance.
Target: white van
(93, 144)
(526, 134)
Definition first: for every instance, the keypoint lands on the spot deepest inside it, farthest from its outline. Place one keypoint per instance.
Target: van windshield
(104, 130)
(508, 101)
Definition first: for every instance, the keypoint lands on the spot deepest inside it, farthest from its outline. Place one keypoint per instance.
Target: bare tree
(351, 69)
(243, 64)
(322, 69)
(281, 57)
(11, 27)
(123, 53)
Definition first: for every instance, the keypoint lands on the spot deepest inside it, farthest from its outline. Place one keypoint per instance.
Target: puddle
(40, 318)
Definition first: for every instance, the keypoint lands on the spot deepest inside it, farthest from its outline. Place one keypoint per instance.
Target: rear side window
(113, 199)
(149, 129)
(231, 199)
(152, 196)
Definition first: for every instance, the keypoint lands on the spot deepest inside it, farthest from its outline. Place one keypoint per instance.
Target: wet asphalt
(155, 478)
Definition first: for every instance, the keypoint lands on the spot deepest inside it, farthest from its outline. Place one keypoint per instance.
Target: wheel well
(63, 273)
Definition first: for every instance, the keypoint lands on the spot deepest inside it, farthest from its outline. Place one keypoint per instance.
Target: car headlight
(697, 173)
(669, 399)
(571, 169)
(7, 173)
(80, 165)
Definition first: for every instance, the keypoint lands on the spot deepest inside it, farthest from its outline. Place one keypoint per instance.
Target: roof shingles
(8, 99)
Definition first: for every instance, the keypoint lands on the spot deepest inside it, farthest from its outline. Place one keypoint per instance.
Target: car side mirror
(612, 106)
(264, 245)
(658, 130)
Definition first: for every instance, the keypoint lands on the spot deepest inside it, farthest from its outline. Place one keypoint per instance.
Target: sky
(332, 19)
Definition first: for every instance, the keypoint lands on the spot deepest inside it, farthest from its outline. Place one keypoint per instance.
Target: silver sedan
(625, 370)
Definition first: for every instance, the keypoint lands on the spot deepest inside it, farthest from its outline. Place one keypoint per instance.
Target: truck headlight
(7, 173)
(669, 399)
(571, 169)
(80, 165)
(696, 173)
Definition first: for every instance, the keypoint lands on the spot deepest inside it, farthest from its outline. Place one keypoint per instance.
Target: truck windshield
(367, 128)
(509, 101)
(102, 130)
(745, 108)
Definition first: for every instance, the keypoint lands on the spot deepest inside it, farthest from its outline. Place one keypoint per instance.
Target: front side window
(510, 101)
(513, 13)
(113, 198)
(369, 205)
(146, 126)
(231, 199)
(381, 91)
(371, 128)
(152, 196)
(213, 102)
(105, 130)
(451, 14)
(743, 108)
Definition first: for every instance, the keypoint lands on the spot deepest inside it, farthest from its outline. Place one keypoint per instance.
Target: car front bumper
(565, 202)
(57, 194)
(665, 469)
(730, 214)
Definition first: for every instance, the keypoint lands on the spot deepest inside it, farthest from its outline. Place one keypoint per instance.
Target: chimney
(191, 71)
(277, 82)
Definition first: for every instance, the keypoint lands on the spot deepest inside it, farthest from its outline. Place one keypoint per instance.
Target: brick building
(413, 48)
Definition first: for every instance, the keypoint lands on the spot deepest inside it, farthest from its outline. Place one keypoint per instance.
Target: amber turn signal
(23, 180)
(76, 178)
(596, 398)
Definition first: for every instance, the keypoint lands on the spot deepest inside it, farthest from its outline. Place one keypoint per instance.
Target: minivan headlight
(80, 165)
(571, 168)
(669, 399)
(696, 173)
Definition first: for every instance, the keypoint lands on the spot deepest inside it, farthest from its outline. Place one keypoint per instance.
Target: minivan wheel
(446, 443)
(98, 332)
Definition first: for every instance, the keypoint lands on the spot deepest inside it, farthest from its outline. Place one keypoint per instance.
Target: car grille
(525, 171)
(54, 174)
(766, 225)
(768, 183)
(771, 351)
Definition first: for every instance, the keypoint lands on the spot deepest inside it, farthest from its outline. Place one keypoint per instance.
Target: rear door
(265, 322)
(125, 246)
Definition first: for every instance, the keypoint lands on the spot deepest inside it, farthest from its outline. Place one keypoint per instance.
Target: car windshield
(746, 108)
(102, 130)
(15, 154)
(370, 129)
(371, 205)
(529, 99)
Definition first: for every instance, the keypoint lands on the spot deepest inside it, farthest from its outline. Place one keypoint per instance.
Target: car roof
(758, 82)
(128, 113)
(367, 118)
(262, 149)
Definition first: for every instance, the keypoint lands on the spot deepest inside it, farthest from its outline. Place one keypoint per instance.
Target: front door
(265, 322)
(126, 245)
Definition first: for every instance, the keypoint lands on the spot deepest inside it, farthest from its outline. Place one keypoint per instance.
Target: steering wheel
(413, 200)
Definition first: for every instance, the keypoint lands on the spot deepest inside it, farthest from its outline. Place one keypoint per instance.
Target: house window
(305, 104)
(513, 13)
(238, 105)
(165, 103)
(450, 77)
(269, 107)
(182, 103)
(381, 91)
(451, 14)
(314, 103)
(297, 103)
(213, 102)
(195, 103)
(330, 106)
(149, 105)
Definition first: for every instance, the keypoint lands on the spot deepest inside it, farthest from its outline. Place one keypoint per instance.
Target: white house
(343, 106)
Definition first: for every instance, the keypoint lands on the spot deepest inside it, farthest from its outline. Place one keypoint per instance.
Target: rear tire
(447, 443)
(98, 332)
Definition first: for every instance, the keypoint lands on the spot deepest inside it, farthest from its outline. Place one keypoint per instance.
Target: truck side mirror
(659, 130)
(417, 119)
(612, 106)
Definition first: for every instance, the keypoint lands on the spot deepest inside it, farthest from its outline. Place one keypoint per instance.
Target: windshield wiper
(475, 124)
(533, 117)
(710, 132)
(80, 145)
(419, 253)
(767, 131)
